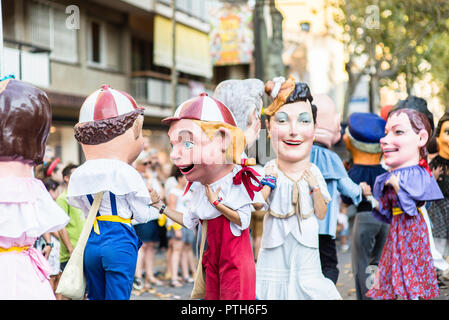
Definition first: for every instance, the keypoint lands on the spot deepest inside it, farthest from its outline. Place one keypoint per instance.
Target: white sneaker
(344, 247)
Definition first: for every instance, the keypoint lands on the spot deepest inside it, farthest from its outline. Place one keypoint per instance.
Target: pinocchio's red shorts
(228, 263)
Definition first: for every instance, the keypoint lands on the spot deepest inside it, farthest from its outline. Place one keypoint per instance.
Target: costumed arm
(159, 205)
(319, 203)
(268, 182)
(172, 200)
(46, 250)
(64, 236)
(214, 199)
(348, 188)
(266, 190)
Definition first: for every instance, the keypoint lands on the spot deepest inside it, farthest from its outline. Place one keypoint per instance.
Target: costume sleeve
(190, 220)
(79, 202)
(350, 189)
(322, 183)
(416, 185)
(141, 208)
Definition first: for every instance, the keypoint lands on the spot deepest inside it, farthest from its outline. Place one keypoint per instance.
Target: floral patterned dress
(406, 267)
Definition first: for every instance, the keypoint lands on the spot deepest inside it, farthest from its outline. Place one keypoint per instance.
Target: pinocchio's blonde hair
(237, 145)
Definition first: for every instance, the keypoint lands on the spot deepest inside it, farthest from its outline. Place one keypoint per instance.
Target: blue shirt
(337, 181)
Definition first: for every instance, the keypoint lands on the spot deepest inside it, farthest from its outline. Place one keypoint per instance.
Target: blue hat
(365, 130)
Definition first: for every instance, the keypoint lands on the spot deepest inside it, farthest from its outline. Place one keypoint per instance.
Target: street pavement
(345, 284)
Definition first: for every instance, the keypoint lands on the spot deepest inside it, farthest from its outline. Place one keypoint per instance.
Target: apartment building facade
(69, 48)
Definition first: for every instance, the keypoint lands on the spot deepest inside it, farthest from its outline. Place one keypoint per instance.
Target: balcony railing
(155, 89)
(27, 62)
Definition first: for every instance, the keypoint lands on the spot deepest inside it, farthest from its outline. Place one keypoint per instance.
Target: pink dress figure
(406, 266)
(26, 208)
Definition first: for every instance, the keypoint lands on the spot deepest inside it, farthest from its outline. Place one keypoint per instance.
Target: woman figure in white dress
(288, 265)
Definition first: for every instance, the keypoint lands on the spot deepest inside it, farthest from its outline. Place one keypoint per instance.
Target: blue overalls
(110, 256)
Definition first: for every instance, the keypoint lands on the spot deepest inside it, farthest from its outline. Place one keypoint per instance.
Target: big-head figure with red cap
(110, 133)
(207, 146)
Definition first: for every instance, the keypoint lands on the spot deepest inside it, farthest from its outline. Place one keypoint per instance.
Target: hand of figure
(271, 171)
(366, 189)
(310, 178)
(155, 198)
(46, 252)
(394, 181)
(211, 195)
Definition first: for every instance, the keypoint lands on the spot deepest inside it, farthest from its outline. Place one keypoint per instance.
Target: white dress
(26, 211)
(288, 266)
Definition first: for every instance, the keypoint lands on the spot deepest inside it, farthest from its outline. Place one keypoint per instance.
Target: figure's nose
(385, 139)
(294, 128)
(175, 154)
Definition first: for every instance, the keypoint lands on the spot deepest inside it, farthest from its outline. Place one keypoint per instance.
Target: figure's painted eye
(305, 117)
(188, 144)
(281, 117)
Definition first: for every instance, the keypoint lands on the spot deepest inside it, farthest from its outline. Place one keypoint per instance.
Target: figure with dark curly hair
(288, 266)
(110, 133)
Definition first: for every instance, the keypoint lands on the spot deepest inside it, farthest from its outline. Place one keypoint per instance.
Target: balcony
(154, 90)
(27, 62)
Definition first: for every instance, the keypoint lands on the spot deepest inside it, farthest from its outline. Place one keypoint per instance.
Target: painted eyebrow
(396, 125)
(305, 113)
(188, 132)
(181, 134)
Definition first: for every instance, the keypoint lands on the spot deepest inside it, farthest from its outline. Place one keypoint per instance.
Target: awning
(192, 48)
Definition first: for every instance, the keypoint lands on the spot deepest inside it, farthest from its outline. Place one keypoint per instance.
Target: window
(96, 42)
(103, 46)
(48, 29)
(142, 54)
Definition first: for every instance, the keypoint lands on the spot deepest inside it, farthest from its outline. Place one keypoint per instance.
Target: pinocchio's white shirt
(234, 197)
(280, 202)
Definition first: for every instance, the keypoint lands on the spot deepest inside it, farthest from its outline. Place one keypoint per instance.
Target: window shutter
(113, 48)
(65, 39)
(40, 24)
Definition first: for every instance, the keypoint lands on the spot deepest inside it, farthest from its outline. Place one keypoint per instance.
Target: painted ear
(224, 136)
(255, 125)
(423, 137)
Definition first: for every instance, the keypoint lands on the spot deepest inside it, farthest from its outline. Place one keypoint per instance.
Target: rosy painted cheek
(306, 133)
(278, 134)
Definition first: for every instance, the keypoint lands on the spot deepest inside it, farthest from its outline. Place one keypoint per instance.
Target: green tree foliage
(387, 37)
(438, 55)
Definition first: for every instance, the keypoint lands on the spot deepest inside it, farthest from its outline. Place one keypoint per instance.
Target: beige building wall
(81, 78)
(70, 151)
(314, 56)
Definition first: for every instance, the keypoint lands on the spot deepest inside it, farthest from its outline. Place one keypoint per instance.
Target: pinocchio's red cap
(202, 108)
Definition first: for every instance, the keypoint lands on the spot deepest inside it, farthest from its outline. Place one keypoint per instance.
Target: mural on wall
(231, 36)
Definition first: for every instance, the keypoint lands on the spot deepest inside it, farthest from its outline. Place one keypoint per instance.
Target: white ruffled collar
(111, 175)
